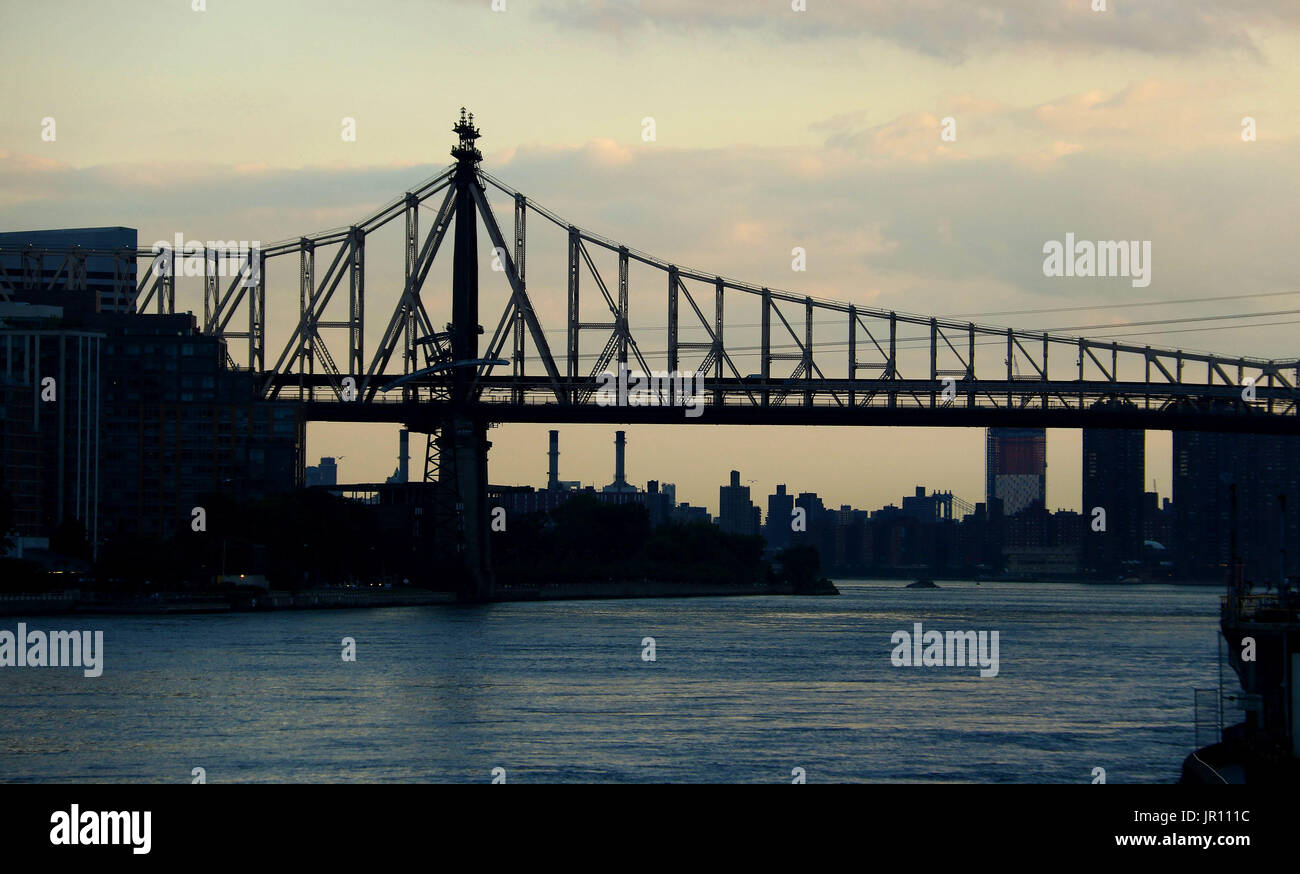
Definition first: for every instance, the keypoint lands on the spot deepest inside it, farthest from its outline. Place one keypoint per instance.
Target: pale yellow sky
(774, 129)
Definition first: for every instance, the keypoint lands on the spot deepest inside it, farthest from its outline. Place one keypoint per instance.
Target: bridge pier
(463, 446)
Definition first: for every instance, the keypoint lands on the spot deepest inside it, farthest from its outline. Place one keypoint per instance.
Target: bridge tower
(462, 438)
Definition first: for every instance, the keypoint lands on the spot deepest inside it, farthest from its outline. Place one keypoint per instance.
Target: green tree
(800, 566)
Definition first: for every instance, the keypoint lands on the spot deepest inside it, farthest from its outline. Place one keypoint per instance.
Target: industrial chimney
(620, 449)
(403, 456)
(553, 479)
(619, 486)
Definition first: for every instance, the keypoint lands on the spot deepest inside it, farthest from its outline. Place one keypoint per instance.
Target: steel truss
(970, 366)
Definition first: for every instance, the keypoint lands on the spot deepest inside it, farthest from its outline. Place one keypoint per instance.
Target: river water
(742, 689)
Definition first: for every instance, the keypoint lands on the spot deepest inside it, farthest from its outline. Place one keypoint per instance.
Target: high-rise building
(1114, 470)
(780, 507)
(657, 503)
(1236, 486)
(52, 417)
(1016, 468)
(736, 512)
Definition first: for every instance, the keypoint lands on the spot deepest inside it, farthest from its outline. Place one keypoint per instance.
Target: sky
(774, 128)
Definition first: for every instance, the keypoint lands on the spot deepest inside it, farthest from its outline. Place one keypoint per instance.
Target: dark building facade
(737, 514)
(178, 426)
(1114, 469)
(52, 409)
(123, 423)
(1236, 486)
(780, 509)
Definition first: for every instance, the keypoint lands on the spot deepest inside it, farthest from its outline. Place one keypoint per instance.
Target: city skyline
(587, 464)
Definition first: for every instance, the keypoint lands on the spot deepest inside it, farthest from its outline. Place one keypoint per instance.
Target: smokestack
(403, 455)
(553, 479)
(620, 448)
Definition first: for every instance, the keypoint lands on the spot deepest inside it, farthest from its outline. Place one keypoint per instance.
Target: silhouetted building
(52, 419)
(1208, 469)
(179, 426)
(685, 514)
(780, 506)
(1016, 468)
(736, 513)
(820, 527)
(324, 474)
(1114, 469)
(657, 503)
(850, 537)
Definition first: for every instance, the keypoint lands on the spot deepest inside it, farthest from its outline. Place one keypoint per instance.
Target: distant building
(736, 513)
(324, 474)
(1016, 468)
(819, 532)
(1263, 472)
(780, 509)
(685, 514)
(657, 503)
(851, 539)
(1114, 469)
(1042, 562)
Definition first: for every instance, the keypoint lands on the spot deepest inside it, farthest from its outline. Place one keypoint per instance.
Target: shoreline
(262, 601)
(1083, 581)
(647, 589)
(175, 604)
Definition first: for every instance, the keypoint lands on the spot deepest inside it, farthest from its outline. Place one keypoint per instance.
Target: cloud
(952, 29)
(911, 137)
(1148, 117)
(879, 228)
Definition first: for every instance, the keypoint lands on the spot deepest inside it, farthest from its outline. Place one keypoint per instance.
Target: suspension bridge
(767, 356)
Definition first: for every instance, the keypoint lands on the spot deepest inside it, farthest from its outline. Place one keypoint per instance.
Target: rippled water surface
(743, 690)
